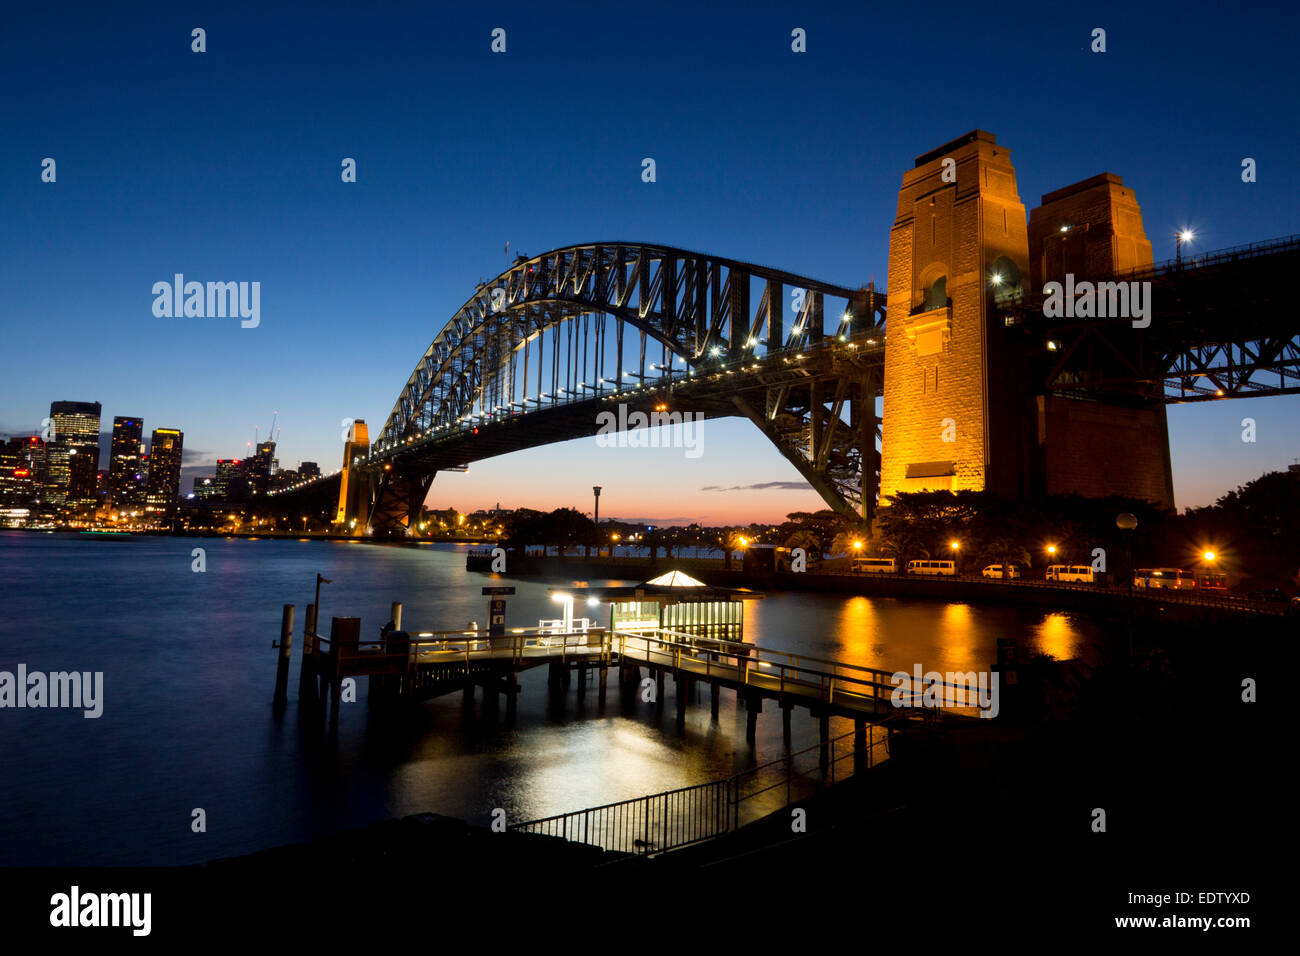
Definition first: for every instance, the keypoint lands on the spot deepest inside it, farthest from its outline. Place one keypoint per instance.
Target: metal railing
(672, 819)
(1196, 596)
(759, 667)
(645, 825)
(431, 647)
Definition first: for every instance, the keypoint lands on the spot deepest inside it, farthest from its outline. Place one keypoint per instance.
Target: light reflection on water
(189, 671)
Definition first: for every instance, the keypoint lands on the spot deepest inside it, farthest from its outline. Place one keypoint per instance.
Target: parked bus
(1172, 578)
(996, 571)
(947, 568)
(875, 565)
(1211, 580)
(1070, 573)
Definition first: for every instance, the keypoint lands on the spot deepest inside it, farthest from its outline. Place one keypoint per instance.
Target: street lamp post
(596, 520)
(1183, 235)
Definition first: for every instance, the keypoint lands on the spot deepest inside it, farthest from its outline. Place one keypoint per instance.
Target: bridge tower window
(936, 294)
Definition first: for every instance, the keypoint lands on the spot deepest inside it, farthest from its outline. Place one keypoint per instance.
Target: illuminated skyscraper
(231, 479)
(20, 472)
(126, 482)
(73, 453)
(261, 466)
(164, 470)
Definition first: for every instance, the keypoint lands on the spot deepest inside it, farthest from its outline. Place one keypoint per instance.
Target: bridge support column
(604, 676)
(753, 705)
(714, 690)
(555, 675)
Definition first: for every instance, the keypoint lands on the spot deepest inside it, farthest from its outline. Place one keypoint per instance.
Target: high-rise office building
(308, 470)
(126, 469)
(20, 472)
(261, 466)
(73, 453)
(231, 479)
(164, 485)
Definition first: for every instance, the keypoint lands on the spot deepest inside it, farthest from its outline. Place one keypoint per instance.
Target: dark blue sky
(225, 166)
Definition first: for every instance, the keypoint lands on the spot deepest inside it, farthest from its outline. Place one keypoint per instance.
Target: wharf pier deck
(406, 668)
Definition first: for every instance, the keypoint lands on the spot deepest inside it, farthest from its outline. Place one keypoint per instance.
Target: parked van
(1172, 578)
(1070, 573)
(995, 571)
(875, 565)
(932, 567)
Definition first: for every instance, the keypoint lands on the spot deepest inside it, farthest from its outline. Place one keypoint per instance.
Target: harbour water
(189, 671)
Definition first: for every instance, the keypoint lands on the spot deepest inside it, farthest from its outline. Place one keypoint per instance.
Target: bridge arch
(582, 323)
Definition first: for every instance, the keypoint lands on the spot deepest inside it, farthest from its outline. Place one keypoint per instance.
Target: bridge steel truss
(567, 331)
(1220, 327)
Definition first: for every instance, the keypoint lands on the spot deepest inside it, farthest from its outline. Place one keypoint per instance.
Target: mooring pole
(282, 668)
(319, 581)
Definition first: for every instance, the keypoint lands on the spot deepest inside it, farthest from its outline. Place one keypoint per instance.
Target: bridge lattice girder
(689, 302)
(1220, 327)
(710, 317)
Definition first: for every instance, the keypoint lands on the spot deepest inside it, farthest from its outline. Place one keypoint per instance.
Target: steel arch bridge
(537, 353)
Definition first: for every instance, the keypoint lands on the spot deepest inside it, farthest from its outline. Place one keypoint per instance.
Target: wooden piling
(604, 676)
(282, 667)
(785, 721)
(753, 704)
(306, 673)
(714, 690)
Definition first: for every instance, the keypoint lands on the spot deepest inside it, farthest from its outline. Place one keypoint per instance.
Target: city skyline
(470, 499)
